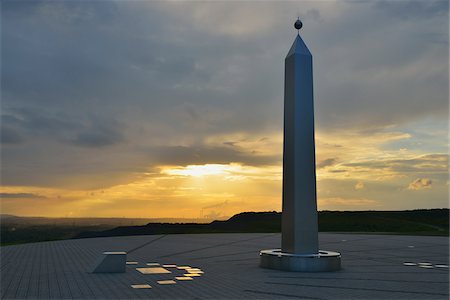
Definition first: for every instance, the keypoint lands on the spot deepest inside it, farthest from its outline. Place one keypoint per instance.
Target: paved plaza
(225, 266)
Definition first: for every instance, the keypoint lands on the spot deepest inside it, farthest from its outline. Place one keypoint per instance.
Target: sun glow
(202, 170)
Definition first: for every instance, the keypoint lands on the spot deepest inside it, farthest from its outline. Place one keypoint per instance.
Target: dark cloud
(10, 136)
(40, 121)
(413, 9)
(99, 136)
(88, 131)
(326, 162)
(390, 69)
(201, 154)
(232, 144)
(338, 171)
(20, 196)
(32, 124)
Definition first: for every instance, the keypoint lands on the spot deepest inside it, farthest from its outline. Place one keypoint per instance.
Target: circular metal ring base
(324, 261)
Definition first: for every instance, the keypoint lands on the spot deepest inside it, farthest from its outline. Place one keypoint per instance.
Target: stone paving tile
(373, 268)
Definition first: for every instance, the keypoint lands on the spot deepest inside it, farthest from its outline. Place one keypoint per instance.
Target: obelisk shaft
(299, 221)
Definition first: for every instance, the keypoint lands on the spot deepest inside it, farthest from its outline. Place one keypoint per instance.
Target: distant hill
(19, 229)
(423, 221)
(6, 219)
(244, 222)
(6, 216)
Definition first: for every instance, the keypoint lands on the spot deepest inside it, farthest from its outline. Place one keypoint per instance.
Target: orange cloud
(420, 184)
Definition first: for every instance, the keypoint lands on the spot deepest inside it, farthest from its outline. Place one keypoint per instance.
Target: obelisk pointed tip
(298, 47)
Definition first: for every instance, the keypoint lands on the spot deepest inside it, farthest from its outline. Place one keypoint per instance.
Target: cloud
(21, 196)
(10, 136)
(38, 121)
(359, 185)
(232, 144)
(89, 130)
(98, 137)
(412, 9)
(326, 162)
(203, 154)
(357, 99)
(420, 184)
(217, 205)
(430, 164)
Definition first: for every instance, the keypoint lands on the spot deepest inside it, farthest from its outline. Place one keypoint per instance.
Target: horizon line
(205, 218)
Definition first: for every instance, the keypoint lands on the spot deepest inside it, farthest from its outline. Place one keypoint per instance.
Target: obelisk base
(324, 261)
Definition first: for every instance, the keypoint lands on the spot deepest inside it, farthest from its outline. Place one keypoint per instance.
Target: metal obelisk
(299, 238)
(299, 222)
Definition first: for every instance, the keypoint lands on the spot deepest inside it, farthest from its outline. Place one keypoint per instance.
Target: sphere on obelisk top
(298, 24)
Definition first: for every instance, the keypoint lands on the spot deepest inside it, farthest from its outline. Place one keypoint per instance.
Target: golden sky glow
(353, 174)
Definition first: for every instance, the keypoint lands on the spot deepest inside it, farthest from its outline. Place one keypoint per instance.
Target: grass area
(422, 222)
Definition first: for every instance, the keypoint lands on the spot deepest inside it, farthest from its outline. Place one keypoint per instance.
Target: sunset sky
(175, 109)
